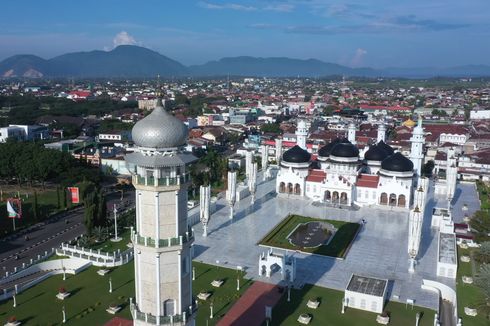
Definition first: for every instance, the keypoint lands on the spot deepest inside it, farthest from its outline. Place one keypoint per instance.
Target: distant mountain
(129, 61)
(123, 61)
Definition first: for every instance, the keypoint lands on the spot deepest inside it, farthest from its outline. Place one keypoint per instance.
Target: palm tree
(482, 281)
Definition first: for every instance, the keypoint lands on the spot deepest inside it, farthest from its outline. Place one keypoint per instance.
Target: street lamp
(116, 238)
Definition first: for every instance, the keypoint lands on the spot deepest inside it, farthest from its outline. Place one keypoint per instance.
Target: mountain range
(129, 61)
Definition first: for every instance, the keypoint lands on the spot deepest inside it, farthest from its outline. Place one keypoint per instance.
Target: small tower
(451, 174)
(301, 134)
(162, 240)
(381, 133)
(417, 151)
(351, 133)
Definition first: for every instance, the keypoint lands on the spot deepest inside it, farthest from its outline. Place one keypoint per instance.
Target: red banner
(75, 195)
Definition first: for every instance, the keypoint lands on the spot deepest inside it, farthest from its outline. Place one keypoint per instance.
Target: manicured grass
(86, 306)
(90, 296)
(337, 247)
(223, 297)
(110, 246)
(469, 295)
(329, 311)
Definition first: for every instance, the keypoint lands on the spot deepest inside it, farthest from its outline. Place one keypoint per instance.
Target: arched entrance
(290, 188)
(343, 198)
(402, 201)
(282, 187)
(335, 196)
(297, 189)
(383, 200)
(328, 195)
(392, 200)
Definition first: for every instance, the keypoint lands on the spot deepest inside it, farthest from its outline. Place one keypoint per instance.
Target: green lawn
(47, 205)
(468, 294)
(223, 297)
(483, 194)
(328, 313)
(337, 247)
(86, 306)
(110, 246)
(90, 296)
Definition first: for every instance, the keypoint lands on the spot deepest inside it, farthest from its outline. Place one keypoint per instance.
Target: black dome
(327, 149)
(345, 150)
(296, 155)
(397, 163)
(388, 149)
(376, 153)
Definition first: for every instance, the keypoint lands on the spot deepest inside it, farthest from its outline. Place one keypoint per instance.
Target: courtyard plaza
(379, 250)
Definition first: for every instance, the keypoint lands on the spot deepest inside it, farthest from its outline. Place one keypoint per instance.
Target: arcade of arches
(392, 200)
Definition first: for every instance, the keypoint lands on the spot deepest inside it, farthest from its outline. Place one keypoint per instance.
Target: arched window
(282, 187)
(297, 189)
(402, 201)
(383, 199)
(392, 200)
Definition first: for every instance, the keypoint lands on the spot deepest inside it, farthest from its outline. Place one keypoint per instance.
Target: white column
(179, 257)
(159, 305)
(138, 277)
(138, 210)
(157, 219)
(176, 213)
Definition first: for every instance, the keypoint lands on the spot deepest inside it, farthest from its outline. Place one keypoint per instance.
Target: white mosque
(340, 175)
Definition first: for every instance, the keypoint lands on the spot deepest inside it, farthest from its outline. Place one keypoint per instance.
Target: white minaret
(265, 161)
(451, 174)
(231, 192)
(351, 133)
(162, 239)
(278, 150)
(205, 200)
(248, 163)
(252, 181)
(417, 152)
(381, 133)
(415, 222)
(301, 134)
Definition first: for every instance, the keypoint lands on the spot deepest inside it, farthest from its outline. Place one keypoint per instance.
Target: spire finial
(419, 122)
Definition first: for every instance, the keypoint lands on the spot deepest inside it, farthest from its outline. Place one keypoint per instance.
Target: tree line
(28, 162)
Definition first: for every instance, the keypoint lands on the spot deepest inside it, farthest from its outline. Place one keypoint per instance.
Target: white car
(191, 204)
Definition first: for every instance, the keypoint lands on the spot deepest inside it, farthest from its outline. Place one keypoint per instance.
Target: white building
(23, 132)
(162, 240)
(341, 177)
(366, 293)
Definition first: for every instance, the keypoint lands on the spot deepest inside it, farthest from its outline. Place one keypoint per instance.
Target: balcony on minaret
(163, 243)
(161, 182)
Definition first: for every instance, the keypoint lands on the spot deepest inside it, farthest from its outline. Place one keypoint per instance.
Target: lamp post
(15, 300)
(64, 314)
(116, 238)
(211, 310)
(110, 285)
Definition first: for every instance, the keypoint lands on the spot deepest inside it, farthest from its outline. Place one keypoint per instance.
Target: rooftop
(447, 248)
(367, 285)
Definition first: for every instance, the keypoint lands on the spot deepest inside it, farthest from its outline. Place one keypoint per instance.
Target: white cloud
(280, 7)
(358, 58)
(231, 6)
(123, 38)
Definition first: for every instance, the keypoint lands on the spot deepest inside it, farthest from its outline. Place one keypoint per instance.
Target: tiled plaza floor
(380, 249)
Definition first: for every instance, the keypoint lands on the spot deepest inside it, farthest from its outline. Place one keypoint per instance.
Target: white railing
(97, 257)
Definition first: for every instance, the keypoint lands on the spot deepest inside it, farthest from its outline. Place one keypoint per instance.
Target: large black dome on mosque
(388, 149)
(296, 155)
(397, 163)
(376, 153)
(327, 149)
(345, 150)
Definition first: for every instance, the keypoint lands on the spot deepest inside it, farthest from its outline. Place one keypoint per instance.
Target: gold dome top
(409, 123)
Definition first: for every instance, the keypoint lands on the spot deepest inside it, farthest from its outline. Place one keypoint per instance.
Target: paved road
(48, 235)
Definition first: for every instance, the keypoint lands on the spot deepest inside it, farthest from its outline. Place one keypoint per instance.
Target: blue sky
(375, 33)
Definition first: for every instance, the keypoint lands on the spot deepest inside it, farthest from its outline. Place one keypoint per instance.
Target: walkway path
(249, 310)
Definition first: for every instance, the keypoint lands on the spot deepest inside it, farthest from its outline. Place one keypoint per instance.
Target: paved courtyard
(380, 249)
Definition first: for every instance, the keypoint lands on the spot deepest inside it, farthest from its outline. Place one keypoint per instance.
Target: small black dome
(345, 150)
(388, 149)
(296, 155)
(397, 163)
(375, 153)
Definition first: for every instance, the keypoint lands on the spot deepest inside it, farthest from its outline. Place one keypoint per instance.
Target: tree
(482, 280)
(480, 223)
(427, 168)
(483, 253)
(35, 208)
(65, 199)
(58, 199)
(271, 127)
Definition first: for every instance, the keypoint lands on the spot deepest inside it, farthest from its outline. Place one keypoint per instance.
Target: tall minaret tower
(351, 133)
(162, 240)
(381, 133)
(415, 222)
(301, 134)
(417, 152)
(451, 174)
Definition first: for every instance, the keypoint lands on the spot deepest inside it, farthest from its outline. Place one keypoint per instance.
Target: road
(15, 250)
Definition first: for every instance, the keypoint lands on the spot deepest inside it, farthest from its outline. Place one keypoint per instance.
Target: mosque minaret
(162, 240)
